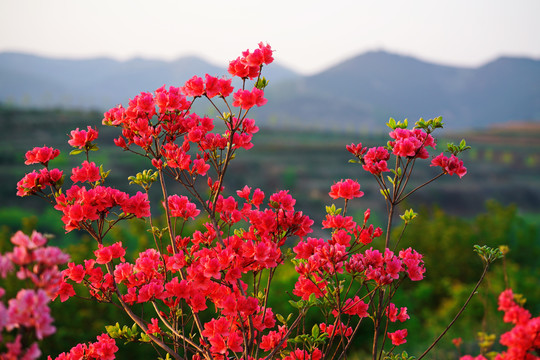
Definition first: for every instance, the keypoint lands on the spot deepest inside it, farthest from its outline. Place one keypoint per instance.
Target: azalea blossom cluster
(28, 312)
(450, 165)
(408, 144)
(319, 261)
(173, 120)
(103, 349)
(523, 340)
(209, 287)
(81, 205)
(36, 181)
(212, 273)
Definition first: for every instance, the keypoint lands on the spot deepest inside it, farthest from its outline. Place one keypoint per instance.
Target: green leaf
(487, 254)
(299, 339)
(281, 319)
(315, 331)
(332, 210)
(430, 125)
(103, 173)
(93, 147)
(405, 124)
(239, 232)
(313, 300)
(463, 146)
(145, 338)
(145, 179)
(60, 182)
(420, 124)
(296, 304)
(392, 124)
(398, 172)
(408, 216)
(437, 122)
(456, 149)
(402, 356)
(114, 331)
(261, 83)
(76, 151)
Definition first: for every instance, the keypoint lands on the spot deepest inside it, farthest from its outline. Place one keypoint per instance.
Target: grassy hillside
(504, 163)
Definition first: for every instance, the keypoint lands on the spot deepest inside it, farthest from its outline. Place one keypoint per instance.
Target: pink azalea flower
(450, 166)
(81, 138)
(87, 172)
(346, 189)
(398, 337)
(41, 155)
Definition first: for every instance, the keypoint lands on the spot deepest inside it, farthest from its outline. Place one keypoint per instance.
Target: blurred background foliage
(495, 204)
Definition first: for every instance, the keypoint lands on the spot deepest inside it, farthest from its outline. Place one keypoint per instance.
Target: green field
(496, 203)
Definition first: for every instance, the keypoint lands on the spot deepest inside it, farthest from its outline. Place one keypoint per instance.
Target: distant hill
(100, 83)
(359, 94)
(378, 85)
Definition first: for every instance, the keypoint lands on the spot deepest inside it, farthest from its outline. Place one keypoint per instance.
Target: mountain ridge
(358, 94)
(377, 85)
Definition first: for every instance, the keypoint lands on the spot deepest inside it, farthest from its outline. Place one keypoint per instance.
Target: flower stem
(457, 315)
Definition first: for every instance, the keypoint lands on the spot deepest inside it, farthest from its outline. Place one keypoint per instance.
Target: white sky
(308, 35)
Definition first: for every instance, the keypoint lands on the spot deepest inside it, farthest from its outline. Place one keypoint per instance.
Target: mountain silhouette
(377, 85)
(358, 94)
(100, 83)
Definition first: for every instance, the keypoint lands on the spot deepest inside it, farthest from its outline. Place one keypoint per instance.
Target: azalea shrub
(25, 317)
(202, 290)
(521, 341)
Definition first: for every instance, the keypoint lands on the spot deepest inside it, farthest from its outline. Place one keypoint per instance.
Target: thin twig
(458, 314)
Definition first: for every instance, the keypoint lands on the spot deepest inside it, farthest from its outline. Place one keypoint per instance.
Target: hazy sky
(308, 36)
